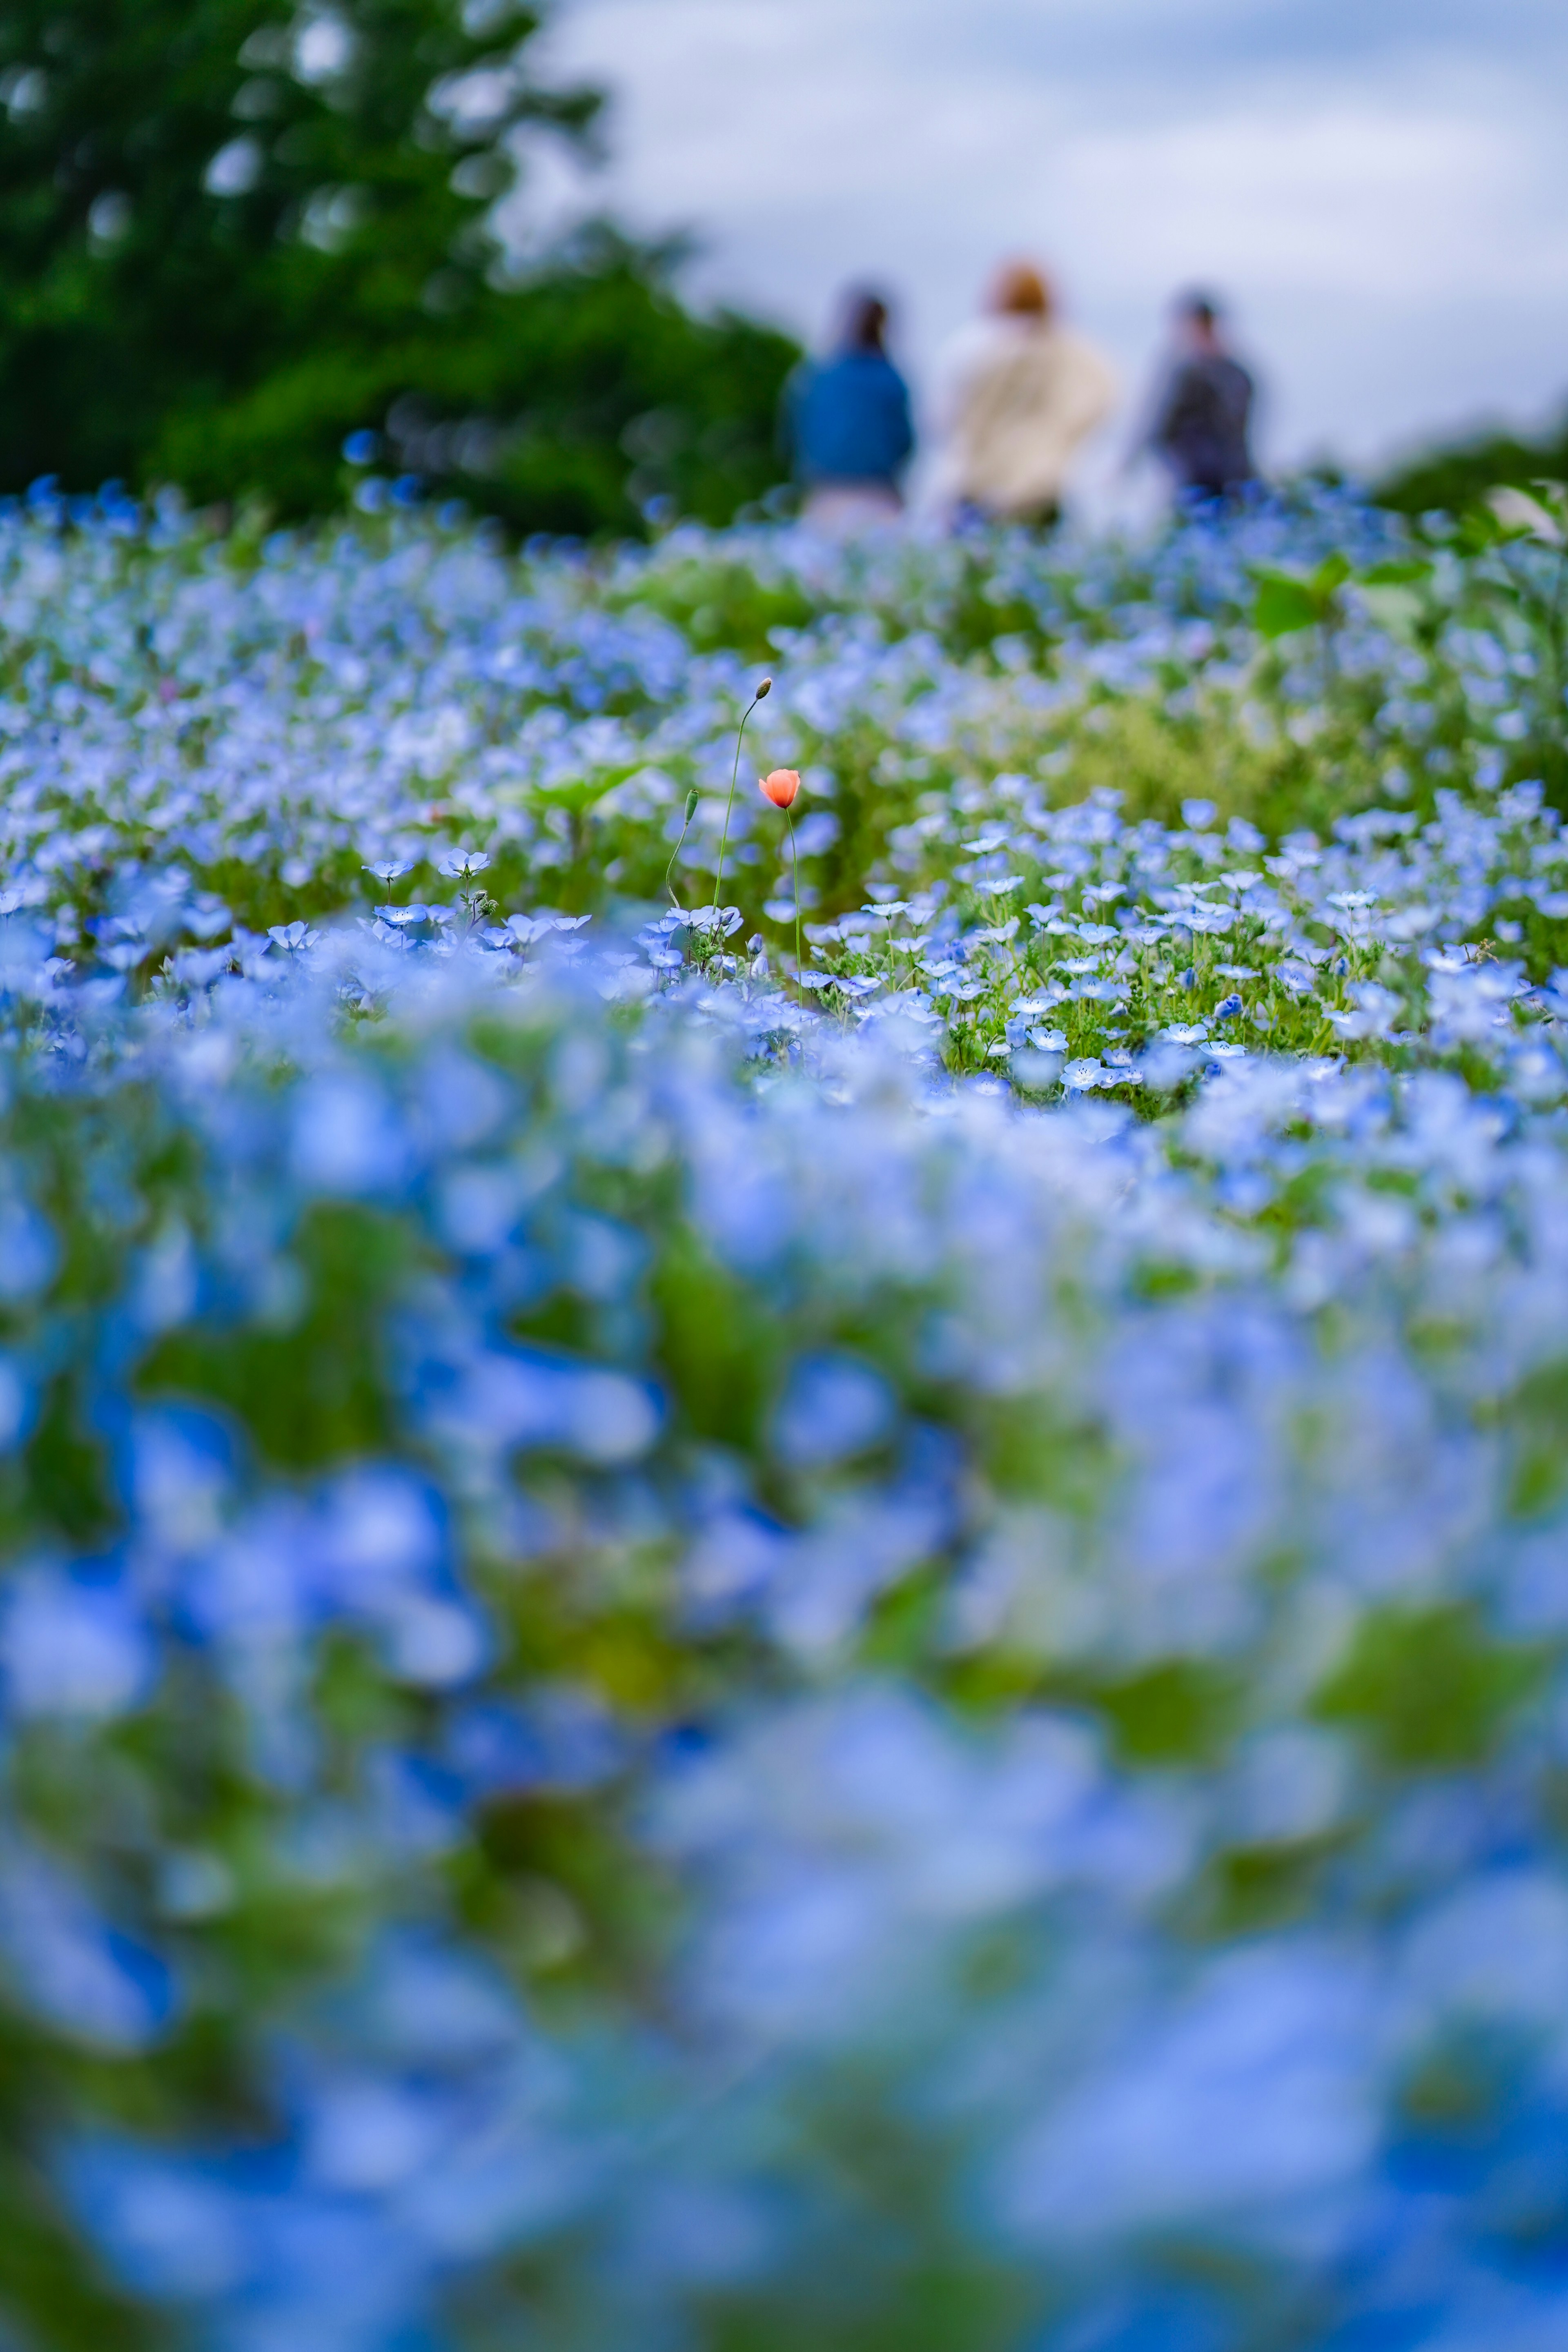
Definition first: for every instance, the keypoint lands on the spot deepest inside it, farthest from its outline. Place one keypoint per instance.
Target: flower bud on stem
(685, 828)
(761, 694)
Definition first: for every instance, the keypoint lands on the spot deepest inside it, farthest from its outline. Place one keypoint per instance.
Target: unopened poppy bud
(690, 805)
(765, 689)
(780, 788)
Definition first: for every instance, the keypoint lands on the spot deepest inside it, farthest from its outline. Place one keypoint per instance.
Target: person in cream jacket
(1022, 394)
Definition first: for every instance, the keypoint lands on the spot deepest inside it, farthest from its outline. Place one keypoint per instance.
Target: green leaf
(1401, 572)
(1397, 609)
(1429, 1689)
(1332, 573)
(580, 793)
(1283, 604)
(1522, 516)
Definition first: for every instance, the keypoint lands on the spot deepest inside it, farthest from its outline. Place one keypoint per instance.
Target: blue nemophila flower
(456, 1496)
(833, 1407)
(29, 1254)
(200, 966)
(74, 1647)
(85, 1980)
(461, 864)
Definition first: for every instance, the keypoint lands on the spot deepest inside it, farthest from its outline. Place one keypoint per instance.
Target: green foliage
(1518, 544)
(716, 1350)
(1179, 1711)
(228, 241)
(725, 605)
(1457, 478)
(1057, 1716)
(312, 1388)
(1288, 600)
(1393, 593)
(41, 2271)
(1429, 1689)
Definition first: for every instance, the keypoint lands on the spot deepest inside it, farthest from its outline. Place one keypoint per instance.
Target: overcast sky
(1379, 188)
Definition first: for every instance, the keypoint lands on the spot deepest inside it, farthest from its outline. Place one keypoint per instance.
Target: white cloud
(1381, 194)
(1372, 201)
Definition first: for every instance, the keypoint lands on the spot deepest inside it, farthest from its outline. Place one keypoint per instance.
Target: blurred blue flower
(28, 1251)
(73, 1646)
(72, 1970)
(833, 1407)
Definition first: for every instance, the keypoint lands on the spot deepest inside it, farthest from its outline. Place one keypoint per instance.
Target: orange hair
(1021, 292)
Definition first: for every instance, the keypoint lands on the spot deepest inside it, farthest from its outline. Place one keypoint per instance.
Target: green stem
(794, 868)
(734, 779)
(686, 828)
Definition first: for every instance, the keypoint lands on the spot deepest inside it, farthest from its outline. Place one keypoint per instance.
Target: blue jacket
(848, 419)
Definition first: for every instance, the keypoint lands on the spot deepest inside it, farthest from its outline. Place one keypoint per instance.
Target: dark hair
(865, 320)
(1201, 308)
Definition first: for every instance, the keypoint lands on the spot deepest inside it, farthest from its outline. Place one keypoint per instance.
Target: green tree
(230, 236)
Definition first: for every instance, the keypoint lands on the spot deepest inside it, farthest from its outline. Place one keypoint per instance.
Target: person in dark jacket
(1202, 428)
(847, 421)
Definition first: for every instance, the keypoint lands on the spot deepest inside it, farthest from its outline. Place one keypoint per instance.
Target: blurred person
(1202, 424)
(1022, 393)
(847, 425)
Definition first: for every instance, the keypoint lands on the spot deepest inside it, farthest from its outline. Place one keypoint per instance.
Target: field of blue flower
(726, 1656)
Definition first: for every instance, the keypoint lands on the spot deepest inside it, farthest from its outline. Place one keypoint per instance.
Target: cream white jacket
(1021, 395)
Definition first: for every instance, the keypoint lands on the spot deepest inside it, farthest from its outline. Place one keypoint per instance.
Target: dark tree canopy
(230, 236)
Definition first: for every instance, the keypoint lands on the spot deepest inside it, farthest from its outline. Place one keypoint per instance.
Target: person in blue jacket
(847, 421)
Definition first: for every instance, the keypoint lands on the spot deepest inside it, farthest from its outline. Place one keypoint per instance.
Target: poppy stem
(794, 868)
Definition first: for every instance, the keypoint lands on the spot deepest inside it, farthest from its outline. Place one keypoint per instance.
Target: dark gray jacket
(1201, 430)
